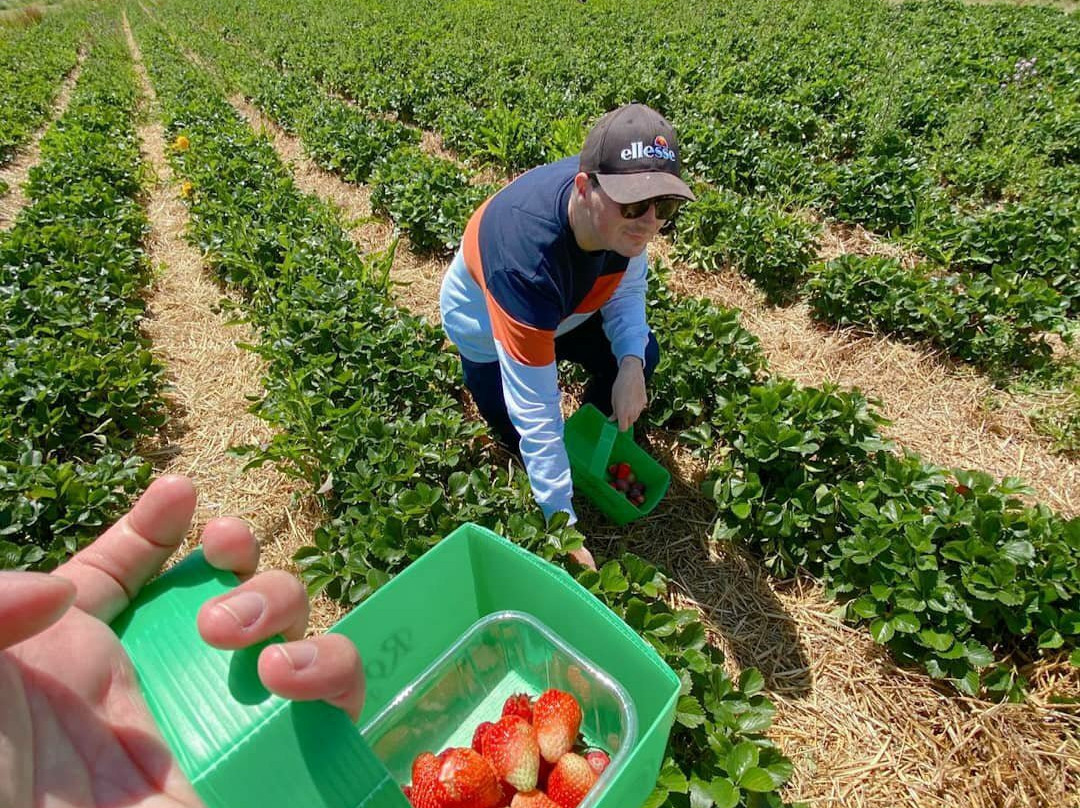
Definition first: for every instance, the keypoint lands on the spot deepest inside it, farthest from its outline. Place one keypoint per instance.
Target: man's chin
(631, 249)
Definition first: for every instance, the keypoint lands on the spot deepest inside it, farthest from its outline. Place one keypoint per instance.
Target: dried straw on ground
(15, 173)
(210, 380)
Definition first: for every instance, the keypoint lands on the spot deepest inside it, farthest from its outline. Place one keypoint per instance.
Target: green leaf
(612, 579)
(751, 681)
(882, 631)
(906, 623)
(1074, 658)
(756, 779)
(689, 712)
(724, 793)
(936, 640)
(743, 757)
(741, 510)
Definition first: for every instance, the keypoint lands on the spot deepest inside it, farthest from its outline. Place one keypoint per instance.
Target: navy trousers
(587, 345)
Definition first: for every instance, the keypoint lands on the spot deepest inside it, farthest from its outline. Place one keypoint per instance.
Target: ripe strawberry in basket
(557, 718)
(532, 799)
(456, 778)
(519, 704)
(512, 749)
(570, 780)
(598, 760)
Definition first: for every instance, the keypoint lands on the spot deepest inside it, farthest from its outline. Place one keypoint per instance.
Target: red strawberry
(622, 471)
(598, 760)
(557, 718)
(519, 704)
(570, 780)
(457, 778)
(532, 799)
(407, 791)
(513, 751)
(426, 791)
(478, 736)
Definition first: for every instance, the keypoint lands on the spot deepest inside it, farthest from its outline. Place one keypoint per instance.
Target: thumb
(30, 602)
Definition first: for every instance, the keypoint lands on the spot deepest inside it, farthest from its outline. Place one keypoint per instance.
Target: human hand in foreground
(74, 728)
(584, 557)
(628, 397)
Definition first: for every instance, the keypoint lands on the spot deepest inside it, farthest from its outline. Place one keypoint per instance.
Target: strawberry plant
(999, 320)
(722, 229)
(429, 198)
(32, 64)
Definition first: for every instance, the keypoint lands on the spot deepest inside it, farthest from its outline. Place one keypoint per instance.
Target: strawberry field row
(32, 64)
(814, 457)
(366, 400)
(79, 384)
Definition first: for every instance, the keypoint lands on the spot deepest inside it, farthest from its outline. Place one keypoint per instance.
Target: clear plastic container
(501, 654)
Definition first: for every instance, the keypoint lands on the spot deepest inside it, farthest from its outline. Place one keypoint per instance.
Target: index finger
(110, 572)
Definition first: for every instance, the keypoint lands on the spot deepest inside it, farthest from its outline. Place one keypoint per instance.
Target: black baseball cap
(633, 152)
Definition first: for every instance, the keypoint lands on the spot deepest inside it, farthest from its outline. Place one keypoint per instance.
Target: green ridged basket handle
(238, 744)
(608, 432)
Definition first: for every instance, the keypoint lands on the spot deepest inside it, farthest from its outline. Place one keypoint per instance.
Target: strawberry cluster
(526, 759)
(621, 477)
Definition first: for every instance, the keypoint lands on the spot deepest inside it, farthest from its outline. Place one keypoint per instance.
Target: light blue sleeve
(532, 398)
(624, 313)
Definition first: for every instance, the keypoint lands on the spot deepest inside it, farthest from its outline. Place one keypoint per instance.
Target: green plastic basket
(473, 618)
(593, 443)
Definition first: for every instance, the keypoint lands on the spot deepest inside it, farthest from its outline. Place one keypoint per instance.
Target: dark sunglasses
(666, 207)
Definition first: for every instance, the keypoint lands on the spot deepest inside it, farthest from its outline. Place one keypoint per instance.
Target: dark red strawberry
(519, 704)
(478, 736)
(570, 780)
(557, 718)
(513, 751)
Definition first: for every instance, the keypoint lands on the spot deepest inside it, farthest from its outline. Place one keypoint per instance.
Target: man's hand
(74, 728)
(583, 557)
(628, 397)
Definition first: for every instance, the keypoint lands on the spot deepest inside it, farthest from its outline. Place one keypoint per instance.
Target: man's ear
(581, 183)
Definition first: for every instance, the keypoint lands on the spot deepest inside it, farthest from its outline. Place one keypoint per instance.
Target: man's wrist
(633, 361)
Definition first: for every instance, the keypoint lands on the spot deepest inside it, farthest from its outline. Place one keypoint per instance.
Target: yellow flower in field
(181, 143)
(186, 189)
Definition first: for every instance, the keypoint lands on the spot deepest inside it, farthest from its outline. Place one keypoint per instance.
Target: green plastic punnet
(593, 443)
(473, 620)
(437, 606)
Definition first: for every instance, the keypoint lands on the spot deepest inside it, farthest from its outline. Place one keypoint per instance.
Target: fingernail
(299, 655)
(244, 607)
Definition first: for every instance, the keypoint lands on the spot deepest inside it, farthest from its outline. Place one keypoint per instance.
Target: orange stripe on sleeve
(528, 345)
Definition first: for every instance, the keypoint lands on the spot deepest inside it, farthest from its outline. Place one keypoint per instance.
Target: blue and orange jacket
(519, 281)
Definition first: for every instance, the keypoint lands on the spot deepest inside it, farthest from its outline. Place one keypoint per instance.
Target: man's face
(615, 232)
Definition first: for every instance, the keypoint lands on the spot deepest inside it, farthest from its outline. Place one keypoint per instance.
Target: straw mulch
(16, 172)
(210, 381)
